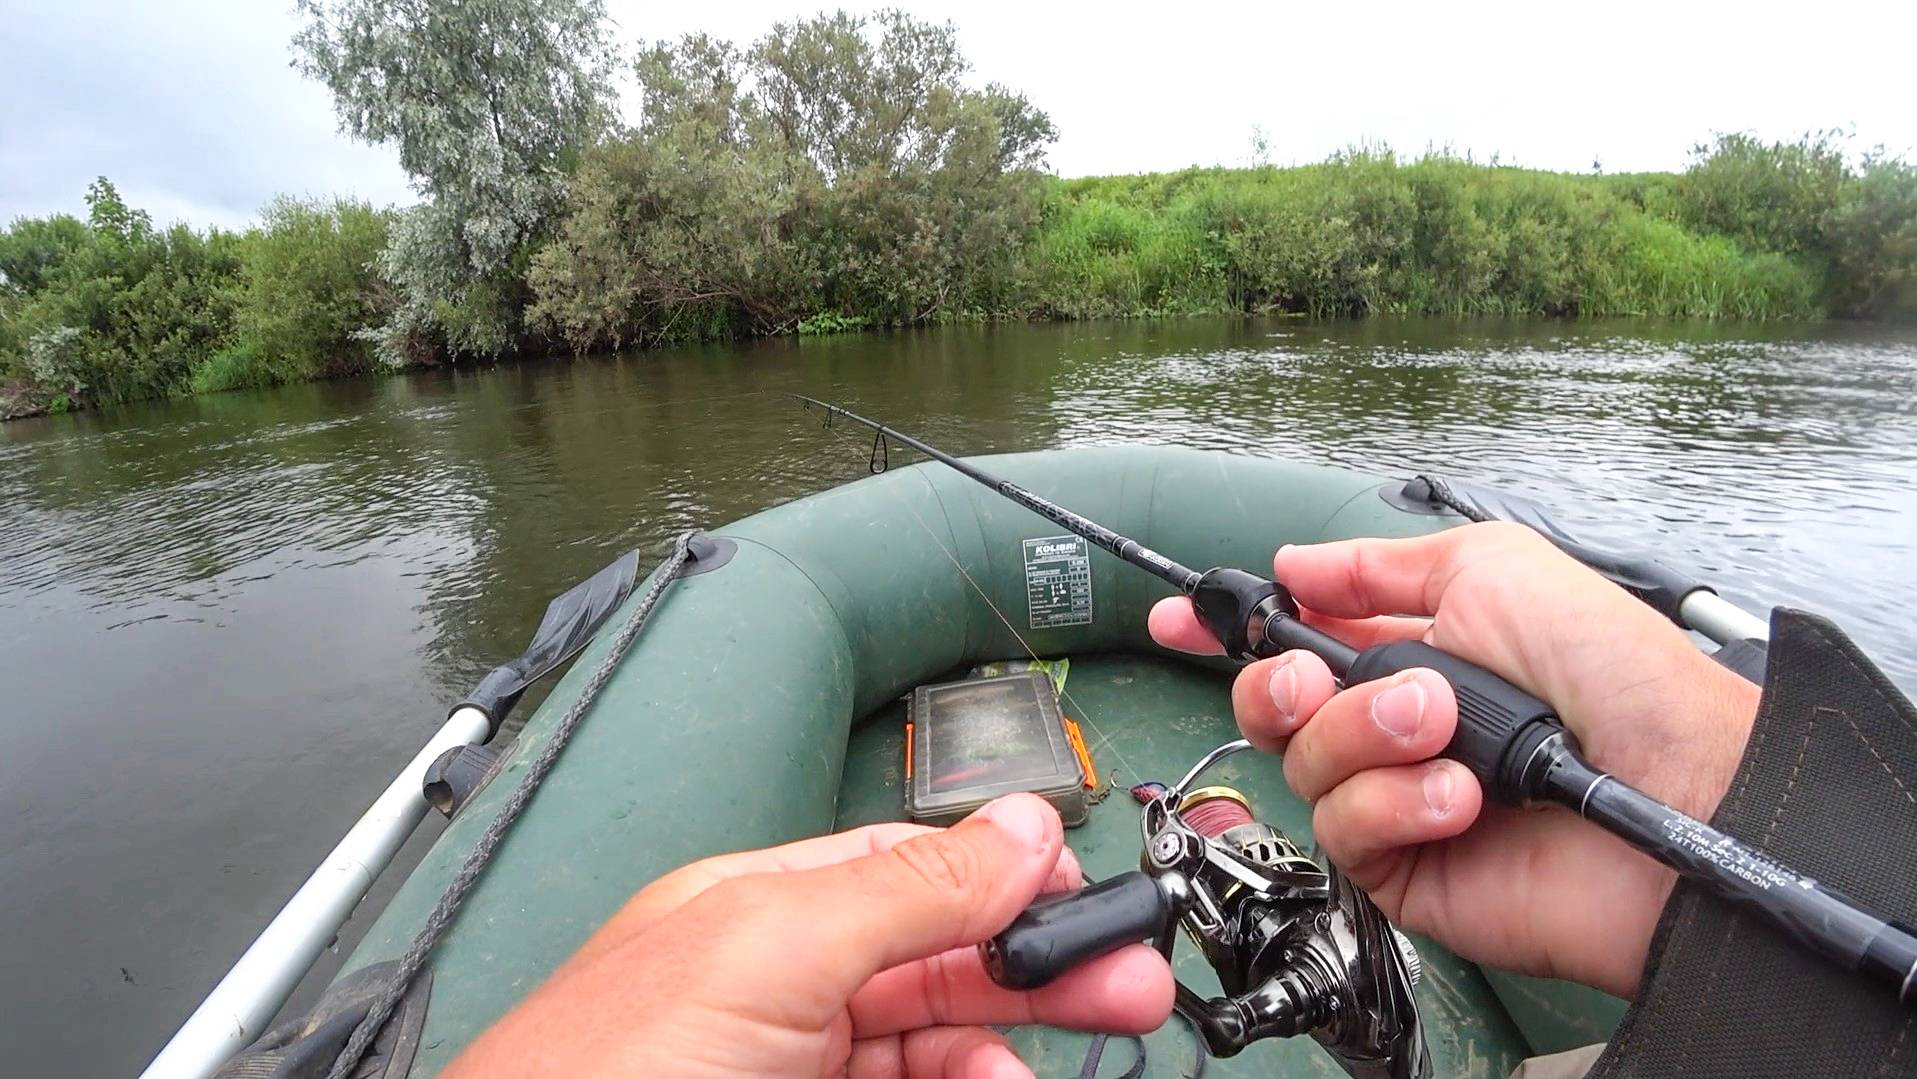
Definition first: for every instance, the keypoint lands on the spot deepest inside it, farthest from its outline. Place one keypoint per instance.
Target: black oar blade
(570, 621)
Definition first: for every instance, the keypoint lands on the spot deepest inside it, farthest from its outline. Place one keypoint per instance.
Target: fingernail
(1021, 818)
(1437, 790)
(1069, 871)
(1399, 711)
(1283, 686)
(1000, 1063)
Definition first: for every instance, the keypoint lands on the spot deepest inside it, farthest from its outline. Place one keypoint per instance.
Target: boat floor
(1147, 718)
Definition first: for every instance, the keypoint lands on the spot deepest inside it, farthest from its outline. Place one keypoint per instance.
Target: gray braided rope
(441, 919)
(1443, 495)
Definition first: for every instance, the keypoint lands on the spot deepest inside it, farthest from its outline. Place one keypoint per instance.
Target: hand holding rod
(1521, 752)
(1513, 742)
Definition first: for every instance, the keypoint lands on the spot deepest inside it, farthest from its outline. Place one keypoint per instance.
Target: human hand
(845, 954)
(1534, 890)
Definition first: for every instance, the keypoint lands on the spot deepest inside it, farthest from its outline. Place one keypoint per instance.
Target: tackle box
(972, 741)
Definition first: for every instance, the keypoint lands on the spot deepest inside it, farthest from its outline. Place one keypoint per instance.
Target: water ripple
(228, 618)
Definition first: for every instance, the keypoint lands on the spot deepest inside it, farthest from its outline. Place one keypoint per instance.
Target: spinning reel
(1297, 948)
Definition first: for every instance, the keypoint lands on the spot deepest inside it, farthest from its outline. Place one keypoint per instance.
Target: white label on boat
(1058, 582)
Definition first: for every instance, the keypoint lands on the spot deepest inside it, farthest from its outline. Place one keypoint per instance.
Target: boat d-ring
(706, 553)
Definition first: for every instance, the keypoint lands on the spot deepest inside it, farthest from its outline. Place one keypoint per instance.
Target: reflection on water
(227, 620)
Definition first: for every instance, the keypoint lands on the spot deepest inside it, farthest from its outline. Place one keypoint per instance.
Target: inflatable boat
(767, 699)
(765, 702)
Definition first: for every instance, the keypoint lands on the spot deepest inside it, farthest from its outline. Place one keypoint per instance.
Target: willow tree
(488, 103)
(840, 166)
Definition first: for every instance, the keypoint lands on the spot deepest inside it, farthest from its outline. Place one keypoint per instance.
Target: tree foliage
(1766, 196)
(841, 172)
(310, 297)
(113, 309)
(1872, 235)
(678, 235)
(1857, 226)
(487, 102)
(838, 164)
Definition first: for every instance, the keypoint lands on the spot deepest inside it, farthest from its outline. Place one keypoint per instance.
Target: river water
(226, 621)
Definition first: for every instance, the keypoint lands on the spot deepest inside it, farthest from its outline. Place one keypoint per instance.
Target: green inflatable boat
(764, 703)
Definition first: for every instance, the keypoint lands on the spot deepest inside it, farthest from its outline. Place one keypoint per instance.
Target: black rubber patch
(1399, 497)
(708, 553)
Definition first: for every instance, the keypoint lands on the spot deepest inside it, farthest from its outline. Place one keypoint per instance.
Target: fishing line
(1082, 715)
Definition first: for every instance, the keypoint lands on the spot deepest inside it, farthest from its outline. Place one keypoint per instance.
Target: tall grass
(1364, 234)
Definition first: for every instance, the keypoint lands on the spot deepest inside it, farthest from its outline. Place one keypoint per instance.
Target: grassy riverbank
(842, 171)
(113, 308)
(1364, 234)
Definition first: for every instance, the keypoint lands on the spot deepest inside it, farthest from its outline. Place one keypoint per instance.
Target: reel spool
(1213, 811)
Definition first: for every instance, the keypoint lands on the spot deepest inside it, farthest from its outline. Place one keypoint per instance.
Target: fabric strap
(1827, 786)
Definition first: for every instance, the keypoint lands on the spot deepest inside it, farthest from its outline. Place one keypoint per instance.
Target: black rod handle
(1500, 726)
(1520, 751)
(1057, 933)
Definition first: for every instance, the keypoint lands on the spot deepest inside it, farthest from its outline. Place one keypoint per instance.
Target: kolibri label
(1058, 582)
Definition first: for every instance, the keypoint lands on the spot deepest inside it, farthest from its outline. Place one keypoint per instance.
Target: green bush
(1365, 233)
(1664, 270)
(115, 309)
(310, 296)
(1766, 196)
(1872, 233)
(238, 366)
(1855, 228)
(56, 360)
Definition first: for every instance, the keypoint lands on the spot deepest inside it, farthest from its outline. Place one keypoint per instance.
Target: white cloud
(1137, 87)
(195, 113)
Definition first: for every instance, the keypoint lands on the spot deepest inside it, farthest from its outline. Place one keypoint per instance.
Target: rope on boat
(1443, 495)
(441, 918)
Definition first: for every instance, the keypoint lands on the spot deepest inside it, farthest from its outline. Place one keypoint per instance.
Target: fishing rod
(1514, 743)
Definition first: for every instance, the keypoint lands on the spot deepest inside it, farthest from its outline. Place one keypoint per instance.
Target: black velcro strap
(1828, 786)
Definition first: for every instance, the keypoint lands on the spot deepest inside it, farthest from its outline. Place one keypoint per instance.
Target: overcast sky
(192, 110)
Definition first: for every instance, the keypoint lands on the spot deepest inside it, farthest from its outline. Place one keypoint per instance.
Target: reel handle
(1057, 933)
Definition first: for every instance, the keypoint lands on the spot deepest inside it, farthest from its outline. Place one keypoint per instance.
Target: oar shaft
(236, 1012)
(1720, 619)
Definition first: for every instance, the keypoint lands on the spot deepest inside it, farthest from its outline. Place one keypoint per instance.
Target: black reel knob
(1057, 933)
